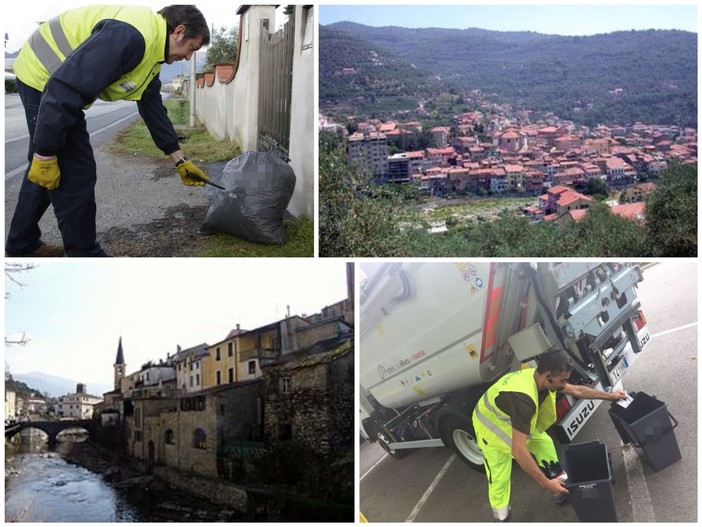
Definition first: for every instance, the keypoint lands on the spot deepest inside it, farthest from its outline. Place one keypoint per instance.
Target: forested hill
(621, 77)
(351, 67)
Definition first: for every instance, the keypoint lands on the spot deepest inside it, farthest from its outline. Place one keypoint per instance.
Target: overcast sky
(567, 18)
(74, 311)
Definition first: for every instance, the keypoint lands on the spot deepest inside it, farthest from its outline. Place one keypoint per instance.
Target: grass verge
(135, 139)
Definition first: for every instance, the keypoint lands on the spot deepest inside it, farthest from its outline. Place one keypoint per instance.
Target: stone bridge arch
(52, 428)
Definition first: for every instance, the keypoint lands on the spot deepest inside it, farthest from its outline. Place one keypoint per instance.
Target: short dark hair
(188, 16)
(555, 361)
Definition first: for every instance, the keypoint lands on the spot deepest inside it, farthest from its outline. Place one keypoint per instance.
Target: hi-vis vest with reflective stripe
(56, 39)
(495, 426)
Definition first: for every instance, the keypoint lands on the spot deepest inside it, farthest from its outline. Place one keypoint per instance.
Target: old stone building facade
(309, 419)
(230, 412)
(309, 400)
(193, 432)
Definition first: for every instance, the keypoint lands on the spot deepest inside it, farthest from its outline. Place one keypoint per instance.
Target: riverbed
(42, 486)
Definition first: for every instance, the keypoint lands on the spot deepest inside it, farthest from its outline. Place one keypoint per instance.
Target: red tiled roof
(510, 134)
(578, 214)
(633, 211)
(571, 197)
(573, 171)
(558, 189)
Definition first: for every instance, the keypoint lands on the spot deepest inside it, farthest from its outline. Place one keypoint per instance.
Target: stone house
(560, 200)
(637, 192)
(141, 418)
(197, 433)
(78, 405)
(309, 399)
(512, 140)
(206, 425)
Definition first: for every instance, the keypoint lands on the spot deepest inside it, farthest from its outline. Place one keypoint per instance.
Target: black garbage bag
(258, 186)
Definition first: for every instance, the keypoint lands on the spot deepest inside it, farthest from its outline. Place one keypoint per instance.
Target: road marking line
(679, 328)
(23, 167)
(641, 506)
(376, 464)
(431, 488)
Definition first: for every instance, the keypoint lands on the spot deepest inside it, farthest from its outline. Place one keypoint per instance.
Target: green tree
(222, 48)
(671, 213)
(596, 187)
(329, 142)
(603, 234)
(356, 218)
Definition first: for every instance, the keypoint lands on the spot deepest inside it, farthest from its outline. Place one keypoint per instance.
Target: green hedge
(10, 86)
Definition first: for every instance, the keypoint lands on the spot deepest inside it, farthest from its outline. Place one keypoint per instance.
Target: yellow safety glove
(186, 169)
(45, 171)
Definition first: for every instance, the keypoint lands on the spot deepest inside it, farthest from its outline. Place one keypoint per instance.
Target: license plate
(617, 372)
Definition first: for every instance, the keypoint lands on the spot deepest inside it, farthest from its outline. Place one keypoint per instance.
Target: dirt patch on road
(176, 234)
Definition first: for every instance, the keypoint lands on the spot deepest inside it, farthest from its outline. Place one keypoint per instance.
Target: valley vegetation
(359, 219)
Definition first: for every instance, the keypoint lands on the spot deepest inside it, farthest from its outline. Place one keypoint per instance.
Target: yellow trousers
(498, 468)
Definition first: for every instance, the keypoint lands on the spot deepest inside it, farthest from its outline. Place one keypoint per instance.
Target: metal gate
(275, 88)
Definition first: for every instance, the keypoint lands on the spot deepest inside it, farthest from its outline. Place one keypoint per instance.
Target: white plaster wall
(302, 129)
(231, 110)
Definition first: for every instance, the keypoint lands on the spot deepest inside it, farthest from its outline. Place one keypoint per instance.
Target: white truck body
(433, 336)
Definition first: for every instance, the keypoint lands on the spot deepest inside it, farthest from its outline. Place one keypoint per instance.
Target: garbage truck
(435, 335)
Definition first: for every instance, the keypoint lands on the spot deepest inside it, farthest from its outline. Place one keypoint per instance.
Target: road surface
(143, 209)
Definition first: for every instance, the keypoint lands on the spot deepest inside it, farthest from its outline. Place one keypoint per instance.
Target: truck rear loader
(434, 336)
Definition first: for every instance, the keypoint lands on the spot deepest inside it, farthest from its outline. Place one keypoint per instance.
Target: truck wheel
(395, 454)
(458, 434)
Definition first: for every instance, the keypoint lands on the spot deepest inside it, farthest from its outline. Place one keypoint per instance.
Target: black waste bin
(590, 481)
(646, 423)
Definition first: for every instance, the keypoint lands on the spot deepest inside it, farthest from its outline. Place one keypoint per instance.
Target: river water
(41, 486)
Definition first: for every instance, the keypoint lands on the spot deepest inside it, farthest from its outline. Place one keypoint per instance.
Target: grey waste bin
(647, 424)
(590, 481)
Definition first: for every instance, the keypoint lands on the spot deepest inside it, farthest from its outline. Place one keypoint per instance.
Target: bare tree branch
(12, 268)
(22, 341)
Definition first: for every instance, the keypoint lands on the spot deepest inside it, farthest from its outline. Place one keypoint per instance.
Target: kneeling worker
(511, 419)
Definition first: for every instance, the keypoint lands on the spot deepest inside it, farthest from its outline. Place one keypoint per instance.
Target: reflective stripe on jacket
(52, 43)
(495, 426)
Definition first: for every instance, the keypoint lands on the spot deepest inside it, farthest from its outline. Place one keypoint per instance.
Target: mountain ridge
(654, 71)
(56, 385)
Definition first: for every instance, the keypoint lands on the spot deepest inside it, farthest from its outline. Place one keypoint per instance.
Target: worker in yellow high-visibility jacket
(511, 419)
(107, 52)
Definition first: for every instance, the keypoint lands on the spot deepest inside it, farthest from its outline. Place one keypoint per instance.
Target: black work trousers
(74, 199)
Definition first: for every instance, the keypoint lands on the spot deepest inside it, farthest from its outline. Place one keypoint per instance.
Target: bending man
(511, 419)
(108, 52)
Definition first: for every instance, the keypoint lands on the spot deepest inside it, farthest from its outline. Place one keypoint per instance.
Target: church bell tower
(119, 365)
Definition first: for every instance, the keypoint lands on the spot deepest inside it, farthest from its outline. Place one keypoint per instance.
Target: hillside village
(499, 151)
